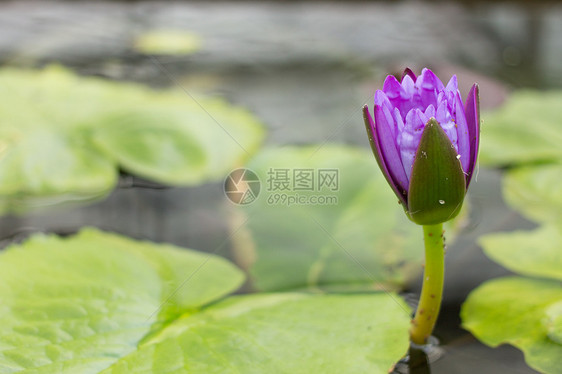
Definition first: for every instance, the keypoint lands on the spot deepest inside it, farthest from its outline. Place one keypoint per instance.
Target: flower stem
(432, 288)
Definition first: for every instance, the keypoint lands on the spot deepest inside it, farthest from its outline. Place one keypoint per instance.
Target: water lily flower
(425, 141)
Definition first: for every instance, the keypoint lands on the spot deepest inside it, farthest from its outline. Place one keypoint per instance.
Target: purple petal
(463, 140)
(442, 113)
(428, 85)
(398, 95)
(388, 149)
(444, 118)
(381, 98)
(430, 81)
(392, 88)
(398, 120)
(409, 73)
(375, 146)
(430, 111)
(472, 111)
(409, 139)
(422, 117)
(453, 85)
(409, 88)
(387, 111)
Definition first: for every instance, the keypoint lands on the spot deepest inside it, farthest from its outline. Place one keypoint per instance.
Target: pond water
(305, 69)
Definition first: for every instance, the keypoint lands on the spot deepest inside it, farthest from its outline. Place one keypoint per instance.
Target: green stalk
(432, 288)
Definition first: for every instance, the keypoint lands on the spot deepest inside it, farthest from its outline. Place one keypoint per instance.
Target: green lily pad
(553, 322)
(536, 253)
(168, 42)
(178, 142)
(42, 168)
(79, 304)
(63, 137)
(524, 312)
(526, 129)
(102, 303)
(348, 235)
(512, 310)
(536, 191)
(279, 333)
(166, 153)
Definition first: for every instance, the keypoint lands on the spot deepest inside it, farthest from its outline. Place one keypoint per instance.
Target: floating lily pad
(536, 253)
(41, 168)
(179, 143)
(168, 42)
(279, 333)
(524, 312)
(64, 137)
(527, 129)
(79, 304)
(326, 218)
(513, 310)
(536, 191)
(102, 303)
(553, 322)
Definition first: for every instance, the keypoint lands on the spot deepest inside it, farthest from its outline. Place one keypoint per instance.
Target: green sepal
(437, 185)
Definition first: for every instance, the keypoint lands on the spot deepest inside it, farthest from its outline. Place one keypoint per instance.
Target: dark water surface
(305, 69)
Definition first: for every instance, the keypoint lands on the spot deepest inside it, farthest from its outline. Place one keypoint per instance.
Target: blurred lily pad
(526, 129)
(326, 218)
(535, 253)
(168, 42)
(65, 136)
(524, 312)
(553, 322)
(102, 303)
(536, 191)
(41, 168)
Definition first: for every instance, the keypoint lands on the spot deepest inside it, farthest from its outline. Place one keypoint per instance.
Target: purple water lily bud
(425, 141)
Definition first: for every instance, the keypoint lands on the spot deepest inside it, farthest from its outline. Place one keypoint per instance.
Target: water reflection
(420, 358)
